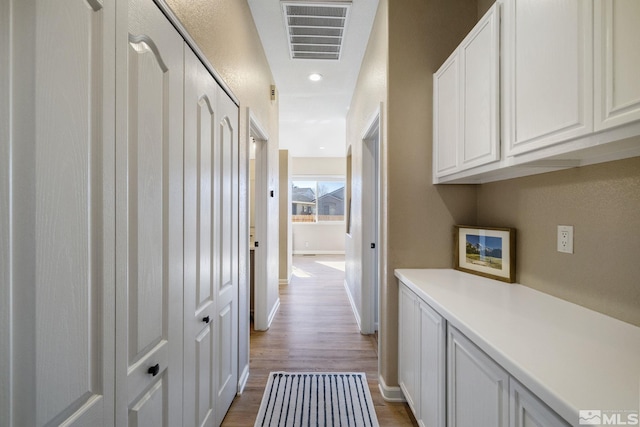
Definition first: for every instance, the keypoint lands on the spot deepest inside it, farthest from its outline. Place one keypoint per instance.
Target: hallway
(314, 330)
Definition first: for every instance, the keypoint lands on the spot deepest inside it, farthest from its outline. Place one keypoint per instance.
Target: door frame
(261, 214)
(371, 224)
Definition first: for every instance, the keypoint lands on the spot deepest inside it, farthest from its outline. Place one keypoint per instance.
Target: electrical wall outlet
(565, 239)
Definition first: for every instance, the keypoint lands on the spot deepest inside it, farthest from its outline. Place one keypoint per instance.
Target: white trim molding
(273, 313)
(242, 381)
(354, 308)
(315, 252)
(390, 394)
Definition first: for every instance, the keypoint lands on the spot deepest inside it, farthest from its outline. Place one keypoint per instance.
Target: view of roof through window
(317, 201)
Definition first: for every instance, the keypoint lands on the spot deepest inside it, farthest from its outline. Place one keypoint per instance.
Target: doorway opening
(258, 220)
(371, 225)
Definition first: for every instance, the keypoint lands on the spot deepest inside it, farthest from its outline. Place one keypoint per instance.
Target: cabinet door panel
(432, 367)
(408, 349)
(548, 72)
(200, 105)
(149, 217)
(446, 120)
(477, 386)
(526, 410)
(617, 62)
(479, 65)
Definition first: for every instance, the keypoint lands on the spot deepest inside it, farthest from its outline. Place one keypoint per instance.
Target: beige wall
(417, 217)
(285, 231)
(370, 94)
(422, 34)
(602, 202)
(226, 34)
(316, 166)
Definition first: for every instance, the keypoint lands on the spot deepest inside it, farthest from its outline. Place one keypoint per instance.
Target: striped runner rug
(316, 399)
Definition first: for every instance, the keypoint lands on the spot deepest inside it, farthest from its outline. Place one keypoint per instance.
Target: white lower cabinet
(422, 359)
(526, 410)
(478, 388)
(443, 372)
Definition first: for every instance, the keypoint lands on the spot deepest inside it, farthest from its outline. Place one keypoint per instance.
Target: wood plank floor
(314, 330)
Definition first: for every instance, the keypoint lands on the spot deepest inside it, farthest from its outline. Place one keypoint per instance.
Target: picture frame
(486, 251)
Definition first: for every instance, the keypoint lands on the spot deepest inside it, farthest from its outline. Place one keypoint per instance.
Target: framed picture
(488, 252)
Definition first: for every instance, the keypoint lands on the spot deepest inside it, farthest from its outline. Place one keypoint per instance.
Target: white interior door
(200, 114)
(370, 239)
(149, 235)
(262, 246)
(58, 177)
(225, 255)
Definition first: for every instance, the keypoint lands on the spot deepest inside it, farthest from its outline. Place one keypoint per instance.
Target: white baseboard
(390, 394)
(242, 382)
(354, 308)
(314, 252)
(272, 315)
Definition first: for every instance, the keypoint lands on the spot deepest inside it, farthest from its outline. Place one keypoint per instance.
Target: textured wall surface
(602, 202)
(227, 36)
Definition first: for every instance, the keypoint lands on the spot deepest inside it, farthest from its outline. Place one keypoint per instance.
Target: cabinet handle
(154, 370)
(206, 319)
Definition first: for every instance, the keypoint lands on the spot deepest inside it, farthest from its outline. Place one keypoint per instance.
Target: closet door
(200, 311)
(55, 214)
(225, 255)
(149, 219)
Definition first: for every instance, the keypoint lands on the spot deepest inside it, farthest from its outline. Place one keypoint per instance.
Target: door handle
(206, 319)
(373, 246)
(154, 370)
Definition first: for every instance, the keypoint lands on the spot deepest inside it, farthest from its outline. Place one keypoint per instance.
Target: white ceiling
(313, 114)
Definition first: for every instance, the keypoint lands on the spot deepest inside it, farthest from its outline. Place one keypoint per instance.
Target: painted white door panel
(408, 363)
(480, 80)
(548, 69)
(477, 387)
(446, 120)
(226, 223)
(60, 266)
(149, 216)
(432, 360)
(526, 410)
(201, 93)
(617, 62)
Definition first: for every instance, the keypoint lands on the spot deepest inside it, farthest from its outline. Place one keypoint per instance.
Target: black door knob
(206, 319)
(154, 370)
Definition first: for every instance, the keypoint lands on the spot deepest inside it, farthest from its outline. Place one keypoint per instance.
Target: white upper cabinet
(566, 93)
(548, 83)
(617, 62)
(466, 107)
(446, 117)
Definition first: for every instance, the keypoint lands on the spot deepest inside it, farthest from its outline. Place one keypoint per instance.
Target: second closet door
(149, 220)
(201, 153)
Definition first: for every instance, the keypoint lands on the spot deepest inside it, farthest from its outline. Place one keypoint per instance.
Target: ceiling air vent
(315, 30)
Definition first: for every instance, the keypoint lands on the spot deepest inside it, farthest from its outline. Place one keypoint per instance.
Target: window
(317, 201)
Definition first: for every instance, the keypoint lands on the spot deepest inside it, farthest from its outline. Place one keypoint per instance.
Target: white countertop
(571, 357)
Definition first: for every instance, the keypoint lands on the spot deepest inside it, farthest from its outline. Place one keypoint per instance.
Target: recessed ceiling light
(315, 77)
(322, 148)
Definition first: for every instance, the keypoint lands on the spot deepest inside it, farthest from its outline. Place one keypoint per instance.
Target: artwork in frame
(486, 251)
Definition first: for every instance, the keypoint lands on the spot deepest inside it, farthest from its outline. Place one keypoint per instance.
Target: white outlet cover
(565, 239)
